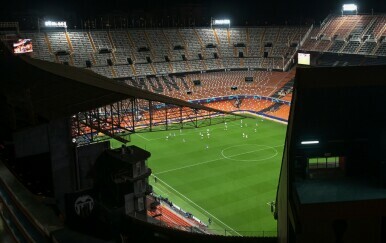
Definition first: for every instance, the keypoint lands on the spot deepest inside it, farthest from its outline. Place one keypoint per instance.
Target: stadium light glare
(55, 24)
(221, 22)
(350, 7)
(310, 142)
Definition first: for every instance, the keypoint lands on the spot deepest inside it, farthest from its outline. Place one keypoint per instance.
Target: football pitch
(229, 176)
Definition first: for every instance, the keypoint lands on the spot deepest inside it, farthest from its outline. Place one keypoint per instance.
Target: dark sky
(246, 9)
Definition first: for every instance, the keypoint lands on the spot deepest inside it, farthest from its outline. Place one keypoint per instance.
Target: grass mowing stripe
(234, 191)
(158, 189)
(198, 206)
(213, 160)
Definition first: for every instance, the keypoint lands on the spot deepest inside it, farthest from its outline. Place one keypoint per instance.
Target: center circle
(259, 152)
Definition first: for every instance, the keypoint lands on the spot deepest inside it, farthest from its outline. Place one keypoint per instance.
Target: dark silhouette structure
(332, 181)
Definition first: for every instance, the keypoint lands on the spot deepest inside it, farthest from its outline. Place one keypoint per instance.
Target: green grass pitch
(226, 176)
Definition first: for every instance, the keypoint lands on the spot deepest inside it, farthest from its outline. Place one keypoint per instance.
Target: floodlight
(55, 24)
(221, 22)
(310, 142)
(350, 7)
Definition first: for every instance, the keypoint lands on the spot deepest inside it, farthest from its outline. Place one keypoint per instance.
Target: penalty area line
(142, 137)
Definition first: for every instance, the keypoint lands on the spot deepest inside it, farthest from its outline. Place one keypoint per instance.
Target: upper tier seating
(351, 34)
(42, 49)
(123, 48)
(173, 37)
(162, 51)
(141, 46)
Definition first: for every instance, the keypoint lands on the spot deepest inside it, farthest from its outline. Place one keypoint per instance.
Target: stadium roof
(52, 90)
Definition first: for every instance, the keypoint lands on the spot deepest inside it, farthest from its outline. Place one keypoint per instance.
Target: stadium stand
(367, 47)
(146, 58)
(159, 43)
(351, 34)
(168, 61)
(161, 67)
(123, 71)
(175, 41)
(141, 46)
(170, 50)
(58, 41)
(255, 44)
(164, 51)
(207, 40)
(246, 104)
(123, 48)
(238, 37)
(280, 111)
(192, 43)
(143, 69)
(225, 48)
(164, 214)
(42, 48)
(82, 48)
(105, 71)
(103, 47)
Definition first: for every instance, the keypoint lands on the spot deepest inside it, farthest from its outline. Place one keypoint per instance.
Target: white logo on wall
(84, 205)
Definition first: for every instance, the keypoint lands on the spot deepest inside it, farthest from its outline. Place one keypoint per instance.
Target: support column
(181, 119)
(62, 159)
(151, 115)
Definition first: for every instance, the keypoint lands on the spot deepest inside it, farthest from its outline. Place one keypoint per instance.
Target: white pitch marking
(165, 194)
(142, 137)
(213, 160)
(199, 207)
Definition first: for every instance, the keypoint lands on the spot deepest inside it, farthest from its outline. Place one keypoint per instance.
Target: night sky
(244, 10)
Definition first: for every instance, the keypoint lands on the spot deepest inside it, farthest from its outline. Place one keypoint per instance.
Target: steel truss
(120, 119)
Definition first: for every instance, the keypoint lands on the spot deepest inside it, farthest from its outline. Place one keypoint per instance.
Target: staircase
(93, 47)
(71, 48)
(47, 40)
(169, 45)
(229, 36)
(184, 83)
(152, 55)
(204, 64)
(381, 32)
(185, 45)
(216, 36)
(91, 41)
(247, 44)
(187, 65)
(113, 72)
(153, 68)
(133, 69)
(171, 67)
(241, 62)
(112, 46)
(133, 49)
(271, 108)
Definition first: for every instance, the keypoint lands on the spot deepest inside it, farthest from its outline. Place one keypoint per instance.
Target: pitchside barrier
(233, 97)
